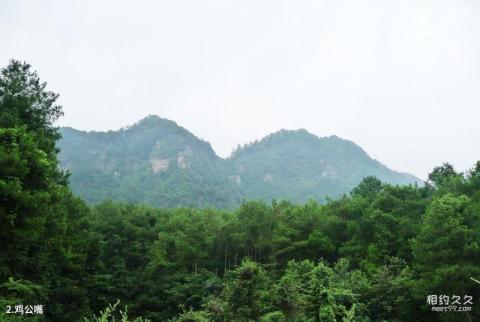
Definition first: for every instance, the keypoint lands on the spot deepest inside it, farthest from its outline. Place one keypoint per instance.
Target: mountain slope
(298, 165)
(157, 162)
(154, 161)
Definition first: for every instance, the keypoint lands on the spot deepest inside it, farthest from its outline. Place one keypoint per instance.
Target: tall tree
(42, 224)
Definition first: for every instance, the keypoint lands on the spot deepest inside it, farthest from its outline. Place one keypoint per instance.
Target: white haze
(399, 78)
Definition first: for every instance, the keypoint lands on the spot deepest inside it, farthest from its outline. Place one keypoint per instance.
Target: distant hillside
(298, 165)
(154, 161)
(157, 162)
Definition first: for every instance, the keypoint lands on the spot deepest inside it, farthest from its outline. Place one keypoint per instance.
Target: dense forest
(379, 253)
(159, 163)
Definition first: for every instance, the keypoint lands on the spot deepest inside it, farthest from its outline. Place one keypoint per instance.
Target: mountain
(299, 165)
(157, 162)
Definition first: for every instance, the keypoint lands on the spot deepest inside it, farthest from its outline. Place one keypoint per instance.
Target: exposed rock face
(159, 165)
(183, 157)
(267, 178)
(157, 162)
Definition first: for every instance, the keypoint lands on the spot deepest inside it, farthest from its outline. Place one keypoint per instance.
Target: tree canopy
(378, 254)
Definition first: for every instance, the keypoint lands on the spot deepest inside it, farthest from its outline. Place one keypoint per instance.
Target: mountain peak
(154, 120)
(298, 140)
(296, 132)
(158, 162)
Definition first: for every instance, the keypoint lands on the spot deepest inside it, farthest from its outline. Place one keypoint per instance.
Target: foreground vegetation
(374, 255)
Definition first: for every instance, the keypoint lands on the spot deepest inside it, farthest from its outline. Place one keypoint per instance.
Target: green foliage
(159, 163)
(153, 162)
(359, 258)
(246, 291)
(109, 313)
(447, 250)
(25, 102)
(374, 255)
(369, 187)
(42, 225)
(443, 174)
(192, 316)
(276, 316)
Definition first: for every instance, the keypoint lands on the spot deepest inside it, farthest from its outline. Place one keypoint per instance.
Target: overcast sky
(399, 78)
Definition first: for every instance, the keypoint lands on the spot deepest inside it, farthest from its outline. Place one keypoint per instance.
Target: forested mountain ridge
(299, 165)
(157, 162)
